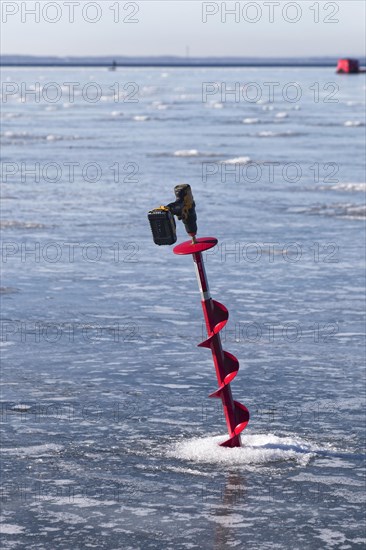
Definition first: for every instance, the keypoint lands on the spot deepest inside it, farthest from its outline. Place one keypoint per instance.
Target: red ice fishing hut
(348, 66)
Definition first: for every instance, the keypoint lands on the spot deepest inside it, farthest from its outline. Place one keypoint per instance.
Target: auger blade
(242, 418)
(232, 442)
(218, 319)
(205, 343)
(220, 316)
(230, 368)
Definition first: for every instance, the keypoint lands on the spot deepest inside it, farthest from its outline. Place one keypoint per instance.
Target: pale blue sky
(168, 27)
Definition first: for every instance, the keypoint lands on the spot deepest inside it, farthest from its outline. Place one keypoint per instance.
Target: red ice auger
(216, 315)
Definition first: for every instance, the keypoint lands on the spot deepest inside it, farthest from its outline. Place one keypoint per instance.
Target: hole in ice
(256, 449)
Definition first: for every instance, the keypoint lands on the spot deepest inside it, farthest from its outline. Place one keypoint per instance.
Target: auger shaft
(226, 365)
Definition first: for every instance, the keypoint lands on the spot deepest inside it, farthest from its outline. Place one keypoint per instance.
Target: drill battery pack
(162, 225)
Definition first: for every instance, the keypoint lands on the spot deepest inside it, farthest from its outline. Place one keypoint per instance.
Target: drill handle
(184, 207)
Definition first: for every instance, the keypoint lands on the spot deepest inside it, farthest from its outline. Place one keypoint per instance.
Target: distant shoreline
(166, 61)
(174, 65)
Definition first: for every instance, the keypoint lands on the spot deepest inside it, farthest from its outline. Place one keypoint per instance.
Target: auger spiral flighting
(216, 315)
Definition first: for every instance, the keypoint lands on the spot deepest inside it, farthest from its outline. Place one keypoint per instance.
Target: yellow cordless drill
(162, 220)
